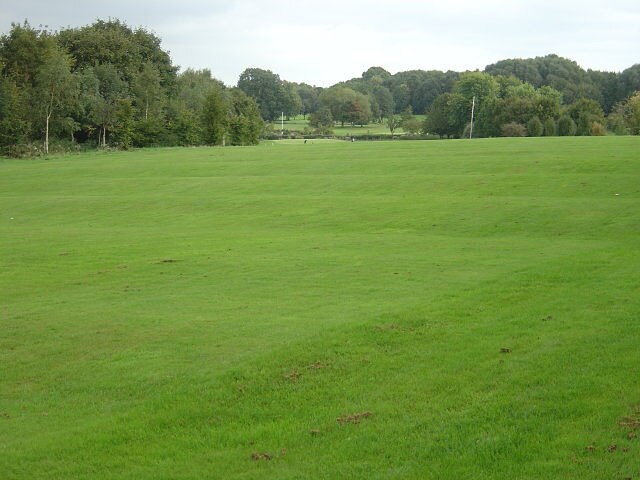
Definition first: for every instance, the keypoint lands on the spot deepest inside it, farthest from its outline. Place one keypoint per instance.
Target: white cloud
(324, 42)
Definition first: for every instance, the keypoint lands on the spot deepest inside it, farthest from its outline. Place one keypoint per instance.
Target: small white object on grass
(617, 194)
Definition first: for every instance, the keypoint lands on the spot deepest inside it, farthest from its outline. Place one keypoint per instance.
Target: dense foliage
(107, 84)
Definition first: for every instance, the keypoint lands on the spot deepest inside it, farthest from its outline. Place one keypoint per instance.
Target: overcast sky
(326, 41)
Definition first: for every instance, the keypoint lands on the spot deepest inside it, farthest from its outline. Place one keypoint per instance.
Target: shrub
(535, 127)
(514, 130)
(597, 129)
(615, 123)
(566, 126)
(549, 127)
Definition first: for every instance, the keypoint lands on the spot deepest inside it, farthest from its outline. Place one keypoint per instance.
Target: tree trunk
(46, 134)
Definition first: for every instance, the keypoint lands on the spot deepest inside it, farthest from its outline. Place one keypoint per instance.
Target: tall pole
(473, 108)
(282, 123)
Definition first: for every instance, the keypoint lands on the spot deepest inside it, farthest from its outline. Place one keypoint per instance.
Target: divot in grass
(353, 418)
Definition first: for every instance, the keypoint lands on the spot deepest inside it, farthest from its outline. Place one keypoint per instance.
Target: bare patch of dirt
(315, 432)
(590, 448)
(257, 456)
(612, 448)
(505, 350)
(293, 376)
(4, 415)
(632, 422)
(353, 418)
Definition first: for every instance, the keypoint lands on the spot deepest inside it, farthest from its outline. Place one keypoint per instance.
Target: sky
(327, 41)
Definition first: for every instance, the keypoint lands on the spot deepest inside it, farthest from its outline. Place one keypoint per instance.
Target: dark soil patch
(256, 456)
(293, 376)
(505, 350)
(353, 418)
(317, 366)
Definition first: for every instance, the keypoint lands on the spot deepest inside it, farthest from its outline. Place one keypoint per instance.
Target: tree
(244, 122)
(386, 105)
(322, 120)
(549, 129)
(535, 127)
(566, 126)
(23, 51)
(346, 105)
(584, 112)
(476, 84)
(393, 122)
(628, 82)
(401, 96)
(103, 97)
(438, 119)
(292, 103)
(214, 116)
(376, 74)
(15, 126)
(148, 91)
(128, 50)
(54, 85)
(308, 97)
(124, 123)
(409, 122)
(560, 73)
(267, 89)
(632, 114)
(616, 122)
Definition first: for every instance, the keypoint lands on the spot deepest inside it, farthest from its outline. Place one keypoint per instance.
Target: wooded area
(107, 84)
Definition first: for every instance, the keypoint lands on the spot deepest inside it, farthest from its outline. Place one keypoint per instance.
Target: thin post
(473, 108)
(282, 124)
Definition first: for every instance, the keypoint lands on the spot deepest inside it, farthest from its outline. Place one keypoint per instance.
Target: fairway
(436, 309)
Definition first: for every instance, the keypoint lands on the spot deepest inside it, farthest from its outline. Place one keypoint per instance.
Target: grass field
(298, 124)
(443, 309)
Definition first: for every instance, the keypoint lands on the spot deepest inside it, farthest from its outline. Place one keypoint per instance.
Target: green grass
(298, 124)
(170, 313)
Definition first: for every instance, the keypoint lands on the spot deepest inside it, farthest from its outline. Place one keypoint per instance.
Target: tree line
(109, 85)
(541, 96)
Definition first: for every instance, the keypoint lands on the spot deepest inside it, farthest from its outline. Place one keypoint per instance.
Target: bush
(566, 126)
(535, 127)
(549, 127)
(514, 130)
(23, 150)
(615, 124)
(583, 125)
(597, 129)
